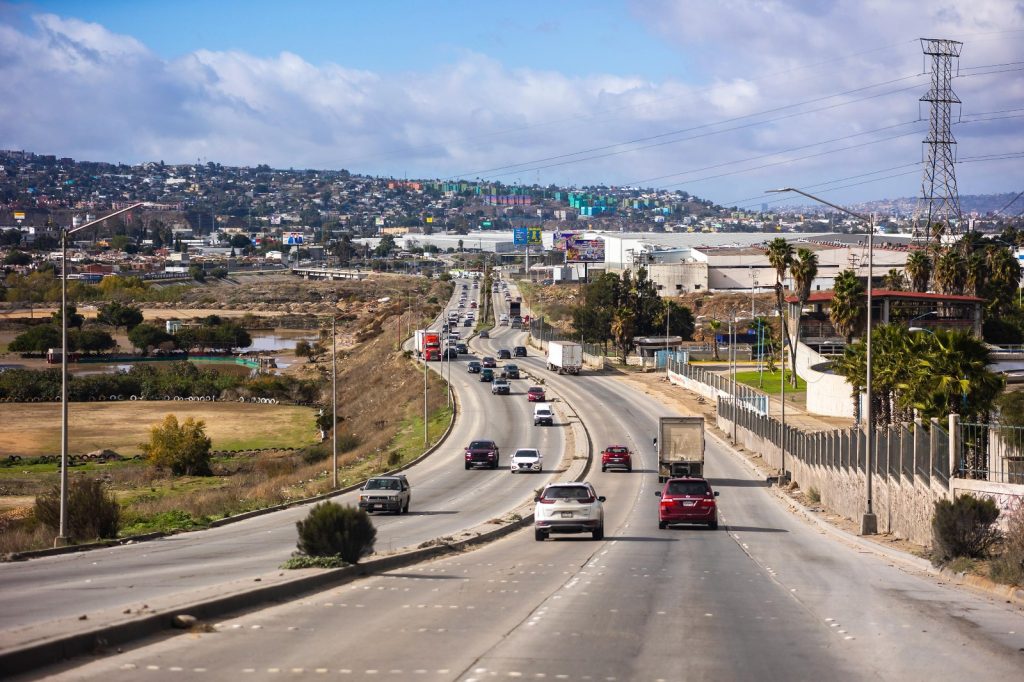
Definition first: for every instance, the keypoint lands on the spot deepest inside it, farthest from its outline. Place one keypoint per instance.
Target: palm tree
(848, 307)
(894, 280)
(623, 329)
(803, 270)
(714, 326)
(1003, 279)
(780, 256)
(919, 270)
(951, 273)
(954, 377)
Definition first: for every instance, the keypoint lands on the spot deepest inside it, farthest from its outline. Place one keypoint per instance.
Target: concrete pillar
(954, 447)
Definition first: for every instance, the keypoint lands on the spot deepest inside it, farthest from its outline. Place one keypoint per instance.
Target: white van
(503, 319)
(543, 414)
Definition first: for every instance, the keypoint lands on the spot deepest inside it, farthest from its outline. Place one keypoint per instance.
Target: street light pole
(869, 521)
(62, 532)
(334, 400)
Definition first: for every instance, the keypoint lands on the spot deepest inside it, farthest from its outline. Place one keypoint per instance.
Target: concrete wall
(827, 394)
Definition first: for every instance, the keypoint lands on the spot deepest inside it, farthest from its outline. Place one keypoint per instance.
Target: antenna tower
(939, 200)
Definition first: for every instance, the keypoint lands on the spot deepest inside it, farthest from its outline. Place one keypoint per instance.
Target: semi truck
(680, 444)
(565, 357)
(515, 308)
(428, 344)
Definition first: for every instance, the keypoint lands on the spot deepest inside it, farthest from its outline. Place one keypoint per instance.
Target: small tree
(183, 448)
(334, 530)
(92, 511)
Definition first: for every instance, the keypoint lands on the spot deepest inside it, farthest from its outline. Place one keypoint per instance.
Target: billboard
(292, 238)
(534, 236)
(519, 236)
(584, 250)
(559, 239)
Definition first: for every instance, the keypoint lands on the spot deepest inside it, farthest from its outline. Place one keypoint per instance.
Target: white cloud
(76, 89)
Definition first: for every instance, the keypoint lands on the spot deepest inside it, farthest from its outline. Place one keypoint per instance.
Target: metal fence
(991, 452)
(915, 451)
(748, 396)
(539, 329)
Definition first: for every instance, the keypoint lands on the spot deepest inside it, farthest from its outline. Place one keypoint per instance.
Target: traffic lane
(70, 585)
(900, 619)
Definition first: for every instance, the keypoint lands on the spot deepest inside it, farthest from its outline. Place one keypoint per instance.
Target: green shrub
(92, 511)
(964, 527)
(348, 441)
(1008, 567)
(315, 453)
(394, 458)
(183, 448)
(333, 530)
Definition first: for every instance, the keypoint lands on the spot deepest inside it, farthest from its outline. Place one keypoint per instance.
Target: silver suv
(386, 493)
(568, 508)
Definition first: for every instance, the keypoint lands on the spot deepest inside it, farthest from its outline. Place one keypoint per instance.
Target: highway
(765, 597)
(445, 500)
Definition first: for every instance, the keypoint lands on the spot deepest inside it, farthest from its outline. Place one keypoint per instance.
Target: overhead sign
(534, 236)
(584, 250)
(520, 236)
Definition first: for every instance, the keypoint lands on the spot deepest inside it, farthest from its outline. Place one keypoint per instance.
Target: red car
(535, 394)
(687, 500)
(616, 457)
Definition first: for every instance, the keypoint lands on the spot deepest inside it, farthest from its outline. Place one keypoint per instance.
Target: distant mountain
(981, 204)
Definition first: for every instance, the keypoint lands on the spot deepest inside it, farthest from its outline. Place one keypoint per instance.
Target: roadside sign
(534, 236)
(520, 236)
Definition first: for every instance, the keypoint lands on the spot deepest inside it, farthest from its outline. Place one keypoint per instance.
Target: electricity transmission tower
(938, 207)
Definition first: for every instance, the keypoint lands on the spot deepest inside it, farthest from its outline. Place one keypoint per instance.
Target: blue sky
(720, 98)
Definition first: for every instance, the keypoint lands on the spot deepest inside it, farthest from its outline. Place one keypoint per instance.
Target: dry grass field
(34, 428)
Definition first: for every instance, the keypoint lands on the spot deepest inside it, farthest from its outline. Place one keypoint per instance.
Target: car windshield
(526, 454)
(567, 492)
(687, 488)
(616, 451)
(535, 389)
(480, 445)
(383, 484)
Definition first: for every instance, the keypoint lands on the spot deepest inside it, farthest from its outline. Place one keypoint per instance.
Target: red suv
(687, 500)
(535, 394)
(616, 457)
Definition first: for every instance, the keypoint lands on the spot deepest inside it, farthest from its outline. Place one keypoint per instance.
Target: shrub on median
(334, 530)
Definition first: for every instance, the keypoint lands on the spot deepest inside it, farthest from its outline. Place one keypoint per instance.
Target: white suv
(527, 459)
(568, 508)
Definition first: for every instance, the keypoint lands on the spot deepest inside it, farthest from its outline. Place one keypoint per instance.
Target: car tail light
(545, 500)
(586, 500)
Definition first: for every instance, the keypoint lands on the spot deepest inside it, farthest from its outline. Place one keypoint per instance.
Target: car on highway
(504, 354)
(527, 459)
(472, 304)
(488, 361)
(462, 348)
(473, 367)
(386, 493)
(535, 394)
(616, 457)
(510, 371)
(543, 415)
(687, 500)
(484, 334)
(487, 374)
(501, 387)
(450, 353)
(482, 453)
(519, 352)
(568, 508)
(467, 323)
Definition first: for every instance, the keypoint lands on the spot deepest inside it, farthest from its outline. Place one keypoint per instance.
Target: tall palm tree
(623, 329)
(780, 256)
(714, 326)
(1002, 280)
(919, 270)
(803, 269)
(951, 272)
(848, 308)
(954, 377)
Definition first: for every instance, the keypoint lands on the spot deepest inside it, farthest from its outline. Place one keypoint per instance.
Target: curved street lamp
(62, 535)
(869, 521)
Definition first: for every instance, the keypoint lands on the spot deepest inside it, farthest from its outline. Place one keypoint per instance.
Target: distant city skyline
(720, 99)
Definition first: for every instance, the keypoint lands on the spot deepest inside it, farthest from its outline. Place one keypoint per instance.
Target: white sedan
(527, 459)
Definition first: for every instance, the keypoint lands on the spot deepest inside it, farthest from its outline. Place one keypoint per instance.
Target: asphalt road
(445, 499)
(765, 597)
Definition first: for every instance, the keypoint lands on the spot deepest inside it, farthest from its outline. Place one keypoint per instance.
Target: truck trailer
(565, 357)
(680, 444)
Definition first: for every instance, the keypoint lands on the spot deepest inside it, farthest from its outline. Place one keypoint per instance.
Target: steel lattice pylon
(939, 200)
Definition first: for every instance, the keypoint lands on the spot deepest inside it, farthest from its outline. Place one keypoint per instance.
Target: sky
(723, 99)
